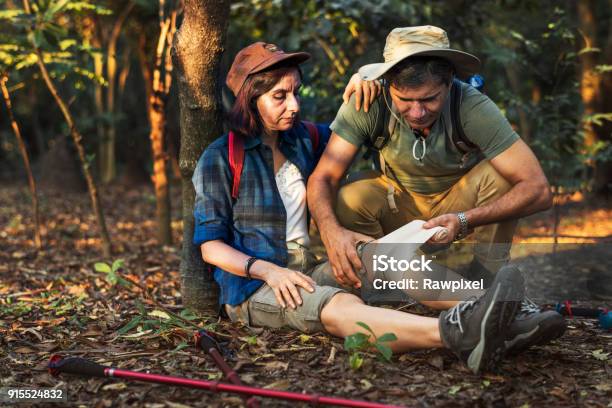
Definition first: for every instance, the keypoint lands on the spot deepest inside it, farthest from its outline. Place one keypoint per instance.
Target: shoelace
(529, 307)
(454, 315)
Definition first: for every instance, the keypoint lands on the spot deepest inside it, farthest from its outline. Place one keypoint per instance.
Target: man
(425, 174)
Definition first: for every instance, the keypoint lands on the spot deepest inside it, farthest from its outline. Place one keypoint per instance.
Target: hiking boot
(475, 329)
(532, 327)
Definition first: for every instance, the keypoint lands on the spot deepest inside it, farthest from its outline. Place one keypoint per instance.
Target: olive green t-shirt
(443, 164)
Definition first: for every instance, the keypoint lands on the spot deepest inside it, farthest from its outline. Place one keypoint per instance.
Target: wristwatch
(463, 226)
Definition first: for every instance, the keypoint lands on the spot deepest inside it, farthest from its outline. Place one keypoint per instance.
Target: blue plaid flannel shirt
(255, 223)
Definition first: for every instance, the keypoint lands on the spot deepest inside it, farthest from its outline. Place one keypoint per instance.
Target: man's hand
(284, 282)
(365, 91)
(341, 245)
(448, 221)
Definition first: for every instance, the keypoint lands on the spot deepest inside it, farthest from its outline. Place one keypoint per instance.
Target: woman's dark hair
(244, 118)
(416, 71)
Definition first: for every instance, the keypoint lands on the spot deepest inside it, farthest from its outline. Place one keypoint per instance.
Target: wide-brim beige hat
(428, 40)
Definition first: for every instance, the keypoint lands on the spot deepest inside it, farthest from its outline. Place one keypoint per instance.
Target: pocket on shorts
(264, 309)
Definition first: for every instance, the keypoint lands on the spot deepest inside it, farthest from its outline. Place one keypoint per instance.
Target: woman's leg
(340, 314)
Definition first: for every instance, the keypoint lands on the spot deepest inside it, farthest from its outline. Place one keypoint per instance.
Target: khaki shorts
(262, 308)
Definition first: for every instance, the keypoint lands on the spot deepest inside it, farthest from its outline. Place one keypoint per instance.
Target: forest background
(547, 64)
(91, 104)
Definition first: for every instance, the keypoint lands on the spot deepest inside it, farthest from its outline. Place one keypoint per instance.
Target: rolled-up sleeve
(213, 201)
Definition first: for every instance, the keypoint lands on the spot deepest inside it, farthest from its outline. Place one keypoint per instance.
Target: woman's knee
(336, 309)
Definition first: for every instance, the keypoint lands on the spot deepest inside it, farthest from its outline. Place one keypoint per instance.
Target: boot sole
(545, 331)
(508, 284)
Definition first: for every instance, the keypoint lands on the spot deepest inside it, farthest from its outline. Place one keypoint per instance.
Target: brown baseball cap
(256, 58)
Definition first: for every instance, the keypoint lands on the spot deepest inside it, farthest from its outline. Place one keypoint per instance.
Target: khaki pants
(362, 206)
(263, 310)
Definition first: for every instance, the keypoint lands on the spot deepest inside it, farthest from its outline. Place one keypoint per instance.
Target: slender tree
(26, 159)
(197, 52)
(77, 139)
(157, 95)
(592, 90)
(108, 166)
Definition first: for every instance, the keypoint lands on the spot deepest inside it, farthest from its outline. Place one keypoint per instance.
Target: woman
(257, 237)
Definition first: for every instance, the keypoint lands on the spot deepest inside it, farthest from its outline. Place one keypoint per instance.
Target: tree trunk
(603, 171)
(157, 118)
(108, 165)
(26, 160)
(197, 52)
(589, 79)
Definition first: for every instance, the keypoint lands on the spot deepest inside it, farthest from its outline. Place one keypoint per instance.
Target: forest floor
(54, 301)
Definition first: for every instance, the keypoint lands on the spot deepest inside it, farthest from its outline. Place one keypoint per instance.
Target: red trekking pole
(81, 366)
(208, 343)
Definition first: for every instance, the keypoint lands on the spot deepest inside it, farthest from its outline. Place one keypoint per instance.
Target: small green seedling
(357, 343)
(111, 271)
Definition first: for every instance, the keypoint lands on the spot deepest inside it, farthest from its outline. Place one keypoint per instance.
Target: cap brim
(296, 57)
(465, 64)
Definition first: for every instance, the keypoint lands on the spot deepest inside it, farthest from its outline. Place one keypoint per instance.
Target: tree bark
(197, 52)
(594, 89)
(157, 119)
(26, 159)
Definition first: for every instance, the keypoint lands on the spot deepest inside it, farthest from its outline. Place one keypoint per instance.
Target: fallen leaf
(454, 389)
(137, 335)
(115, 386)
(604, 387)
(276, 365)
(24, 350)
(176, 405)
(365, 384)
(159, 313)
(600, 355)
(278, 385)
(436, 361)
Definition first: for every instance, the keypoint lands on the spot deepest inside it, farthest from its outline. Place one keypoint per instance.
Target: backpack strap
(385, 124)
(313, 132)
(236, 154)
(236, 161)
(459, 138)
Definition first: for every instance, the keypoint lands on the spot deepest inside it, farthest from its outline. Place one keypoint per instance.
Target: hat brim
(465, 64)
(296, 57)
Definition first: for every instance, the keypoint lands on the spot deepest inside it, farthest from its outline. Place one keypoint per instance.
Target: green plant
(111, 271)
(357, 343)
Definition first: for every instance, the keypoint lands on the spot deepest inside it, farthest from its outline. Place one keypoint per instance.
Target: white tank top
(292, 189)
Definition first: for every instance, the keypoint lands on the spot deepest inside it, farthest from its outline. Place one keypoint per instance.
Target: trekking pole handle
(75, 365)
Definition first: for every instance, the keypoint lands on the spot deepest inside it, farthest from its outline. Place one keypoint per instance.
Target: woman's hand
(365, 91)
(284, 282)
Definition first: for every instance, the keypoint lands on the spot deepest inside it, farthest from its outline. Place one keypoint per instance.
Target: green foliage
(158, 322)
(53, 27)
(359, 342)
(112, 272)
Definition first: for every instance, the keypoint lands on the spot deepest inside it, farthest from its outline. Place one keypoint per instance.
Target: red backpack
(236, 154)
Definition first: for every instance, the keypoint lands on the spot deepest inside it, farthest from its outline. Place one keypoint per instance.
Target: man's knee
(360, 199)
(492, 185)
